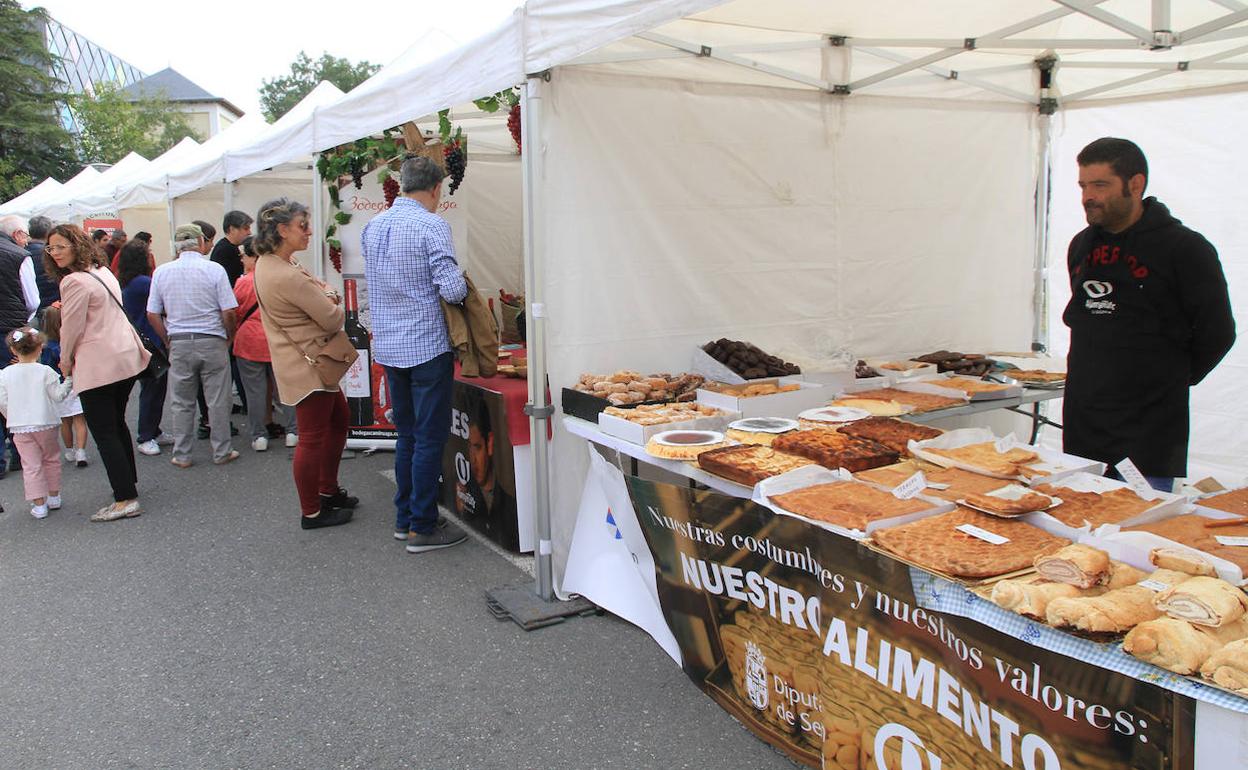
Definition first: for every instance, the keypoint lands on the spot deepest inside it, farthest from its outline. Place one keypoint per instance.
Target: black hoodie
(1149, 317)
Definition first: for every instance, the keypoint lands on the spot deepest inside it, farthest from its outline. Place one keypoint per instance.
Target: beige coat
(474, 333)
(291, 300)
(99, 345)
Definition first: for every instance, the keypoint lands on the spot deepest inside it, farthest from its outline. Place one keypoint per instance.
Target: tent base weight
(521, 604)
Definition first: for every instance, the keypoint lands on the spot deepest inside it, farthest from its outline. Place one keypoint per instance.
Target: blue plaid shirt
(409, 263)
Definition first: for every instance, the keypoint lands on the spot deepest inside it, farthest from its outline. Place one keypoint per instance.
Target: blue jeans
(1161, 483)
(421, 398)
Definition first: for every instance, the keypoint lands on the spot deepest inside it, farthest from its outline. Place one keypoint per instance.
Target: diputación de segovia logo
(756, 675)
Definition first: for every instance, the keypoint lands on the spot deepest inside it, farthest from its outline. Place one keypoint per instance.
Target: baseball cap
(187, 232)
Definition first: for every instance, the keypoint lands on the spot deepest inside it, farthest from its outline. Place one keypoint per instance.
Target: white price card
(1153, 585)
(1230, 540)
(983, 534)
(1134, 478)
(911, 487)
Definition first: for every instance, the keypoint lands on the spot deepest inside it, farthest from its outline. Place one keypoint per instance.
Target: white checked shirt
(191, 292)
(409, 262)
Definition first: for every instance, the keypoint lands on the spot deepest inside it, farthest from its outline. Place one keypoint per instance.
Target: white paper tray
(810, 475)
(892, 375)
(1167, 506)
(640, 434)
(788, 404)
(1057, 465)
(932, 386)
(1134, 547)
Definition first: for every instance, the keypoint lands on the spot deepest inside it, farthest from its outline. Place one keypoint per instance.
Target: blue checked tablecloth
(934, 593)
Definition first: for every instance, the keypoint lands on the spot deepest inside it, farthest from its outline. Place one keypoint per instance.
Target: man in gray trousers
(192, 307)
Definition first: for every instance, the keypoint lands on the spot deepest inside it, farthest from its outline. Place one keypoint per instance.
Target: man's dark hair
(481, 419)
(235, 218)
(1123, 156)
(144, 236)
(39, 227)
(210, 232)
(419, 173)
(98, 235)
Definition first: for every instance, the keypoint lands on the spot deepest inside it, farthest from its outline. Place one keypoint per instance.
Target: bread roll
(1030, 598)
(1123, 575)
(1181, 561)
(1228, 667)
(1179, 646)
(1205, 601)
(1076, 565)
(1113, 612)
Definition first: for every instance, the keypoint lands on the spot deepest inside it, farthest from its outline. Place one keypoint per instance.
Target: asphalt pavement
(212, 632)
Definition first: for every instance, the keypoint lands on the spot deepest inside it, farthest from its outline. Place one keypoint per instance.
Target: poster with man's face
(478, 478)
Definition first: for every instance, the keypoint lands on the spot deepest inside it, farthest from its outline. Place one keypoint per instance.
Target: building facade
(81, 64)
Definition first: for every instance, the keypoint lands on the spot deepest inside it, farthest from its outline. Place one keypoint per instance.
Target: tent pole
(538, 408)
(1047, 106)
(228, 197)
(318, 224)
(169, 201)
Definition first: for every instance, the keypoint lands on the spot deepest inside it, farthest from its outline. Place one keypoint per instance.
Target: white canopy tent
(27, 202)
(885, 164)
(102, 195)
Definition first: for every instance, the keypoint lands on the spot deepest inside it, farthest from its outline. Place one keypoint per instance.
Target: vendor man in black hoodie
(1149, 317)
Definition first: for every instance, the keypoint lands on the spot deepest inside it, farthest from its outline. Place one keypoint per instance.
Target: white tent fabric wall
(1195, 171)
(495, 254)
(677, 212)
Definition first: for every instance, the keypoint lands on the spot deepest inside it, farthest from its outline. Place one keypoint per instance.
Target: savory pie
(833, 449)
(1036, 375)
(918, 402)
(1002, 506)
(1190, 530)
(987, 458)
(847, 504)
(936, 543)
(679, 451)
(961, 483)
(749, 464)
(1235, 501)
(1095, 508)
(894, 434)
(970, 386)
(877, 406)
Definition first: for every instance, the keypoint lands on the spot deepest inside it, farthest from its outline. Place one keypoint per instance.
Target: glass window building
(81, 64)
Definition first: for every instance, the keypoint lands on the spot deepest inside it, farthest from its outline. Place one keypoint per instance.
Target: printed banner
(478, 468)
(817, 644)
(370, 422)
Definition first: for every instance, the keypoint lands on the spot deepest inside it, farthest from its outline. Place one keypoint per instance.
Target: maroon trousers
(322, 421)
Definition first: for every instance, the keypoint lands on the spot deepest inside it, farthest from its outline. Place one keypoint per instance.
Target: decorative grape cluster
(513, 125)
(335, 256)
(390, 188)
(456, 164)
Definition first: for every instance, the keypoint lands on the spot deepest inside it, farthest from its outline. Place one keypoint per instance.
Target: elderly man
(191, 307)
(19, 299)
(49, 290)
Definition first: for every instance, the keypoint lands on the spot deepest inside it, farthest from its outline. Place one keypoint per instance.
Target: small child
(29, 394)
(73, 422)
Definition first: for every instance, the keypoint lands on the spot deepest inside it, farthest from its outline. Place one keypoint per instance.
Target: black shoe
(328, 517)
(340, 499)
(204, 431)
(238, 409)
(275, 430)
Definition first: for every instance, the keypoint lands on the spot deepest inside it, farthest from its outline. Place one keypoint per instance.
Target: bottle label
(355, 383)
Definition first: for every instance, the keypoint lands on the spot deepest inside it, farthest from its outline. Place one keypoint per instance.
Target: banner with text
(816, 643)
(478, 467)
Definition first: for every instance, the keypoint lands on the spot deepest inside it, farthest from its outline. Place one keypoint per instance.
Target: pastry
(1077, 565)
(936, 543)
(1079, 509)
(833, 449)
(969, 386)
(626, 387)
(660, 414)
(985, 457)
(1179, 646)
(1228, 667)
(1036, 375)
(1235, 501)
(1113, 612)
(1030, 598)
(894, 434)
(960, 482)
(1190, 530)
(969, 364)
(750, 437)
(684, 444)
(1181, 560)
(847, 504)
(749, 464)
(877, 407)
(1123, 575)
(748, 361)
(918, 402)
(1001, 506)
(1205, 601)
(750, 390)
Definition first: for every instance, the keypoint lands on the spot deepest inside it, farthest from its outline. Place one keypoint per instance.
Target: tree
(278, 95)
(33, 142)
(112, 125)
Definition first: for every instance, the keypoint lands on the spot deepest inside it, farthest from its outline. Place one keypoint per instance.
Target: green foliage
(278, 95)
(112, 125)
(495, 102)
(33, 143)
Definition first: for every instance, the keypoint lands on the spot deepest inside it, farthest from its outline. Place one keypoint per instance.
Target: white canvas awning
(30, 200)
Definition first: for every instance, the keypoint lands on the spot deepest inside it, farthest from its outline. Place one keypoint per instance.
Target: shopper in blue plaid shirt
(409, 262)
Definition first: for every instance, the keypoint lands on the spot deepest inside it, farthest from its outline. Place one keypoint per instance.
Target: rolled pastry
(1180, 560)
(1205, 601)
(1179, 646)
(1076, 565)
(1228, 667)
(1113, 612)
(1123, 575)
(1030, 599)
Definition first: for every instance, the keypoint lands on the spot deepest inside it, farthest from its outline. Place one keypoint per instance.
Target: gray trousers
(255, 377)
(203, 360)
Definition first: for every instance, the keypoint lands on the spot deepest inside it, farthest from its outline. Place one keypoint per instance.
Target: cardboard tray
(640, 434)
(872, 383)
(933, 386)
(920, 369)
(588, 407)
(1058, 464)
(1167, 505)
(809, 395)
(1134, 547)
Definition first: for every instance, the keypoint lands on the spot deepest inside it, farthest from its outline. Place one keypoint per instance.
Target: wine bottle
(357, 383)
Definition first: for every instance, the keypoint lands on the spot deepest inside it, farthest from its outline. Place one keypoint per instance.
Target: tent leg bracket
(529, 611)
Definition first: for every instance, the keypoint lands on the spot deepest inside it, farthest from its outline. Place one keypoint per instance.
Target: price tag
(1153, 585)
(1134, 478)
(983, 534)
(910, 487)
(1234, 541)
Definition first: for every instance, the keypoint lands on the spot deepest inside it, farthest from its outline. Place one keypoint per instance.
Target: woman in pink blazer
(103, 353)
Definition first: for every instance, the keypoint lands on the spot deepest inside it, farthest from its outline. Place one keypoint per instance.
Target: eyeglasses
(53, 249)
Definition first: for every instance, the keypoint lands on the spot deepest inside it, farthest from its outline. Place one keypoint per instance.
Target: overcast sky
(230, 46)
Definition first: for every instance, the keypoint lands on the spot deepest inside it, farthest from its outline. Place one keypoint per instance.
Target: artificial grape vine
(456, 164)
(390, 188)
(513, 125)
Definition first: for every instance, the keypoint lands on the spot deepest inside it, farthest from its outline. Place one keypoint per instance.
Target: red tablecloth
(515, 393)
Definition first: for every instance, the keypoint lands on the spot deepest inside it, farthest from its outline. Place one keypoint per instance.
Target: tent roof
(102, 195)
(29, 200)
(276, 144)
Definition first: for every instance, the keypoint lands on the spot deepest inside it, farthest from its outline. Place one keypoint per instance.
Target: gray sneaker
(444, 535)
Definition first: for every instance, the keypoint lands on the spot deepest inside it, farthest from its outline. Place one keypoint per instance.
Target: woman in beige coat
(300, 314)
(103, 353)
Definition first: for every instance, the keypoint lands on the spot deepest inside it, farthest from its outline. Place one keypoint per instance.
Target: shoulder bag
(334, 358)
(158, 364)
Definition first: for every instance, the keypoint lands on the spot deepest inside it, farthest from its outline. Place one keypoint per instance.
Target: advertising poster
(818, 645)
(369, 417)
(478, 466)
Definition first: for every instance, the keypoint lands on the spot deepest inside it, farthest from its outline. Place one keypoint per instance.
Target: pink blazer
(99, 345)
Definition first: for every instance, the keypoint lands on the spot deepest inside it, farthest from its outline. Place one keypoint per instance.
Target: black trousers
(151, 407)
(105, 410)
